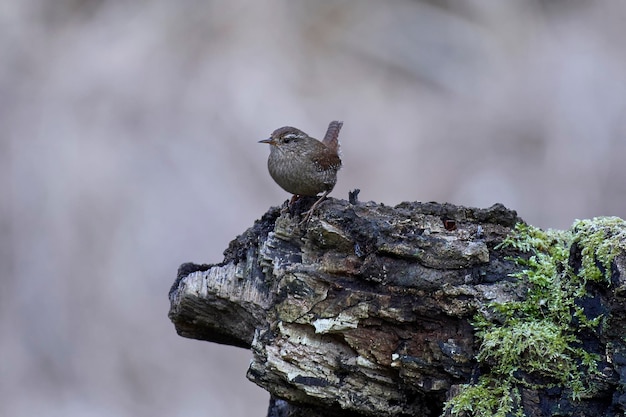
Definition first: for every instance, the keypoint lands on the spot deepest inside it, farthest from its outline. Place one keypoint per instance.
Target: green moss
(534, 343)
(498, 400)
(600, 239)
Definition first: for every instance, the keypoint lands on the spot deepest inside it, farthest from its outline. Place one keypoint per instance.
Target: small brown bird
(302, 165)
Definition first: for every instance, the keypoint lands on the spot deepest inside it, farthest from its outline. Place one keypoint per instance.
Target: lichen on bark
(370, 310)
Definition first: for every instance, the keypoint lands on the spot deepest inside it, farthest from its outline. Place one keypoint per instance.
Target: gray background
(128, 146)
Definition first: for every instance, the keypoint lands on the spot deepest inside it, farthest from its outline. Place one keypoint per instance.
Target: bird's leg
(290, 204)
(288, 208)
(309, 212)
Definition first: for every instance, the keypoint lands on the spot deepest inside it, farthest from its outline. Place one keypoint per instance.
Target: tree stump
(370, 310)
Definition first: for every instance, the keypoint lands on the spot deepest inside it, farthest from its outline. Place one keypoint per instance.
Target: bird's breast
(299, 174)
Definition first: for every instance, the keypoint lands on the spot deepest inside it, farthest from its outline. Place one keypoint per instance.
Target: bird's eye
(289, 137)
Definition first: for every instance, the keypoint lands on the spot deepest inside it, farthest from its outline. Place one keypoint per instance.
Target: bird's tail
(332, 135)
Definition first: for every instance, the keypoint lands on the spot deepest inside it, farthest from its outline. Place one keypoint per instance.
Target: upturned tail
(332, 135)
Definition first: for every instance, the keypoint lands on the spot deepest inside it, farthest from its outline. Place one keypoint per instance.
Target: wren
(302, 165)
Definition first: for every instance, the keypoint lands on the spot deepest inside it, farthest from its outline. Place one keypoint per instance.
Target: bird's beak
(268, 140)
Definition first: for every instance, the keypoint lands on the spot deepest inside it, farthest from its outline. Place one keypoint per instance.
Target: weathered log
(369, 310)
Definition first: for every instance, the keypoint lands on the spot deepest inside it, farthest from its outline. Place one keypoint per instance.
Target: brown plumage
(302, 165)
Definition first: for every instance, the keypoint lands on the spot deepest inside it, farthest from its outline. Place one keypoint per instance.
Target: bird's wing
(325, 159)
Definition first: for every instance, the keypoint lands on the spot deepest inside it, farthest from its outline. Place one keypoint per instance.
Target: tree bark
(367, 310)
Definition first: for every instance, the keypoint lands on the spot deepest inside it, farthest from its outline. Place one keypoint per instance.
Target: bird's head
(286, 136)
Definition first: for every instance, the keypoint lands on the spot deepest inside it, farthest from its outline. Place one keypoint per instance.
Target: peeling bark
(365, 311)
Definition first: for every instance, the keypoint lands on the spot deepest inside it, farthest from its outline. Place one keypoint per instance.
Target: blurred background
(128, 138)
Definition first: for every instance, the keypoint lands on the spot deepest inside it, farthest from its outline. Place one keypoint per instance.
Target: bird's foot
(307, 214)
